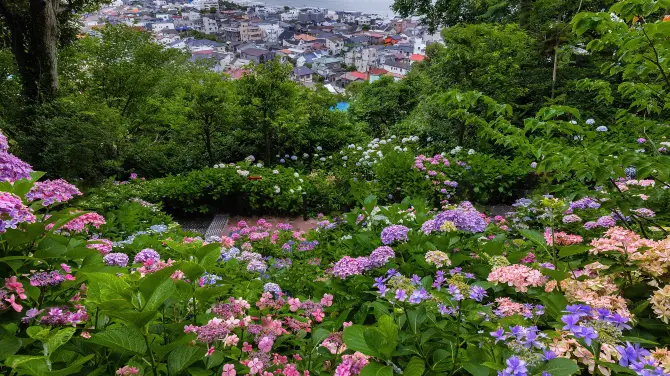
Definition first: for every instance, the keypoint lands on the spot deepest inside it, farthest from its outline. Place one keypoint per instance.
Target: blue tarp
(341, 106)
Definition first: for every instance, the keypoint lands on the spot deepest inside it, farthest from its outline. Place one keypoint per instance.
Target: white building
(291, 15)
(362, 58)
(209, 25)
(159, 26)
(334, 45)
(271, 31)
(206, 4)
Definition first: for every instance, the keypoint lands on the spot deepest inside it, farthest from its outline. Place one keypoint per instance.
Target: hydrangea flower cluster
(52, 278)
(147, 255)
(52, 191)
(12, 168)
(464, 218)
(561, 238)
(352, 364)
(660, 303)
(437, 258)
(116, 259)
(13, 212)
(12, 290)
(521, 277)
(80, 223)
(394, 233)
(529, 344)
(348, 266)
(104, 246)
(62, 316)
(507, 307)
(590, 324)
(334, 343)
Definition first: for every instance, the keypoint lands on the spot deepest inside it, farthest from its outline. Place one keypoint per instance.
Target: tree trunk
(44, 45)
(555, 71)
(34, 37)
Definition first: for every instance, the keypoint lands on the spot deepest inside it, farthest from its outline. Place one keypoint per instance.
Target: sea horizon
(381, 7)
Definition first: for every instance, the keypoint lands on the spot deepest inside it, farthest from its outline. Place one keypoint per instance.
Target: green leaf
(58, 339)
(561, 367)
(31, 365)
(160, 294)
(354, 338)
(105, 286)
(376, 369)
(134, 318)
(572, 250)
(375, 340)
(639, 340)
(415, 367)
(184, 356)
(441, 360)
(535, 237)
(72, 368)
(494, 366)
(121, 338)
(209, 254)
(9, 345)
(37, 332)
(476, 369)
(191, 269)
(390, 331)
(416, 318)
(318, 335)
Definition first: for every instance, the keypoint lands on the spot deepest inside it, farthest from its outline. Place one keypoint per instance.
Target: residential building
(271, 31)
(249, 32)
(362, 58)
(206, 4)
(302, 74)
(209, 25)
(396, 67)
(257, 55)
(291, 15)
(310, 15)
(335, 45)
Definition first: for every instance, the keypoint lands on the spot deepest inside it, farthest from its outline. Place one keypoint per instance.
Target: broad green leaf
(572, 250)
(561, 367)
(105, 286)
(415, 367)
(416, 318)
(376, 369)
(390, 331)
(318, 335)
(494, 366)
(375, 340)
(476, 369)
(535, 237)
(160, 294)
(37, 332)
(58, 339)
(121, 338)
(133, 318)
(184, 356)
(441, 360)
(72, 368)
(30, 365)
(9, 345)
(354, 338)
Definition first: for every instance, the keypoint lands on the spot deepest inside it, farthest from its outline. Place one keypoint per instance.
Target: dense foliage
(409, 272)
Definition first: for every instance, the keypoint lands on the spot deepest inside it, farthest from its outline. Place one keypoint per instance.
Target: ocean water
(382, 7)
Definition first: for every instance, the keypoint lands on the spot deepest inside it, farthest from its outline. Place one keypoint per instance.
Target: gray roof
(255, 51)
(302, 71)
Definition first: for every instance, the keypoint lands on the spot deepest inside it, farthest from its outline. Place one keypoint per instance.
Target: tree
(382, 104)
(34, 28)
(269, 102)
(483, 57)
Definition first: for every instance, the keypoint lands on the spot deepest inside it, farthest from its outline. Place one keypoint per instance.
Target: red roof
(417, 57)
(360, 75)
(236, 74)
(378, 71)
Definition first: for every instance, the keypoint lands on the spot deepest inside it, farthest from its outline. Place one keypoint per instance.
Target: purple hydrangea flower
(145, 255)
(465, 218)
(116, 259)
(12, 168)
(394, 233)
(380, 256)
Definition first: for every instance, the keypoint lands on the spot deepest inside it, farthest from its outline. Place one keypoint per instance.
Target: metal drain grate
(216, 227)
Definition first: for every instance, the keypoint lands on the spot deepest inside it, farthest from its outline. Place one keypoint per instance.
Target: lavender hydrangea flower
(394, 233)
(13, 212)
(380, 256)
(348, 266)
(464, 218)
(116, 259)
(12, 168)
(145, 255)
(272, 287)
(41, 279)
